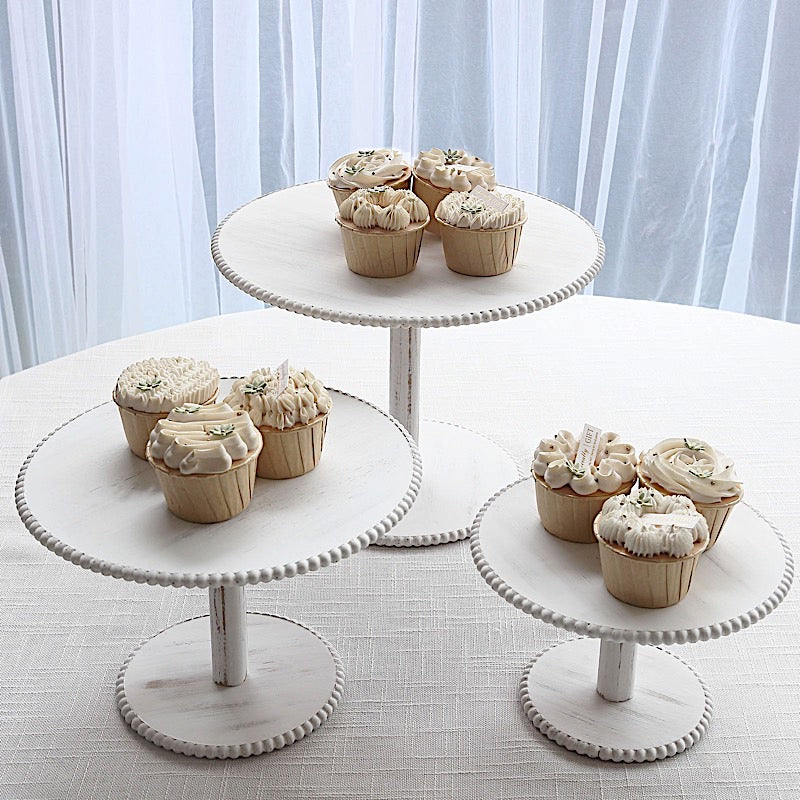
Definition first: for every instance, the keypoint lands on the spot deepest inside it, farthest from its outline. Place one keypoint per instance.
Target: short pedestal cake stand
(285, 249)
(641, 703)
(265, 681)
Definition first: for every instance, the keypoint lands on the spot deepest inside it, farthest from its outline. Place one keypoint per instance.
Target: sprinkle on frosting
(366, 168)
(159, 384)
(463, 211)
(203, 441)
(691, 467)
(454, 169)
(383, 208)
(614, 464)
(303, 400)
(648, 523)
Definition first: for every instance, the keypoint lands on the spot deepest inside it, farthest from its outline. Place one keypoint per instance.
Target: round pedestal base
(668, 713)
(166, 694)
(460, 468)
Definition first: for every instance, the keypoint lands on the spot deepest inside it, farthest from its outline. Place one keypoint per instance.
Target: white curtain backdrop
(128, 129)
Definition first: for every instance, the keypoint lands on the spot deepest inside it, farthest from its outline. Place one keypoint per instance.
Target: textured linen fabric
(432, 656)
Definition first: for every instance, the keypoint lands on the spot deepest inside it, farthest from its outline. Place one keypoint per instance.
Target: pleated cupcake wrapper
(378, 253)
(208, 498)
(480, 253)
(430, 195)
(646, 582)
(138, 425)
(715, 513)
(291, 452)
(340, 195)
(568, 516)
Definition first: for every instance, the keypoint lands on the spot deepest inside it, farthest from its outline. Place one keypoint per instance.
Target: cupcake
(205, 459)
(693, 468)
(649, 546)
(382, 231)
(292, 422)
(478, 238)
(570, 496)
(439, 172)
(367, 168)
(147, 390)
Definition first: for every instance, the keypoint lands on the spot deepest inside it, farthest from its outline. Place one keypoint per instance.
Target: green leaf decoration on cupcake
(189, 408)
(354, 170)
(452, 156)
(365, 153)
(643, 499)
(701, 473)
(577, 471)
(221, 431)
(692, 445)
(149, 384)
(257, 386)
(473, 206)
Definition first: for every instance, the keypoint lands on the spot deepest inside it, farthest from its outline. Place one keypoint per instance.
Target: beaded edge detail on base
(583, 628)
(203, 580)
(233, 750)
(627, 755)
(378, 321)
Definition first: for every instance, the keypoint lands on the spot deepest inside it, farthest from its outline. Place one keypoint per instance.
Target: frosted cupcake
(292, 423)
(382, 231)
(439, 172)
(649, 547)
(147, 390)
(205, 459)
(367, 168)
(478, 238)
(569, 496)
(693, 468)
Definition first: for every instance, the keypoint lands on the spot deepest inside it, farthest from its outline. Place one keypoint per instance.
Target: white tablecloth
(433, 657)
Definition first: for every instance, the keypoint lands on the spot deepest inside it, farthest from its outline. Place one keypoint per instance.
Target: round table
(648, 703)
(84, 496)
(285, 249)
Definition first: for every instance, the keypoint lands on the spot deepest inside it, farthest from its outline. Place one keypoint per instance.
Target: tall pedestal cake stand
(285, 249)
(233, 683)
(619, 700)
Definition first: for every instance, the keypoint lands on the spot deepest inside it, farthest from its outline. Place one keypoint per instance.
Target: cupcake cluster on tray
(480, 228)
(207, 455)
(652, 515)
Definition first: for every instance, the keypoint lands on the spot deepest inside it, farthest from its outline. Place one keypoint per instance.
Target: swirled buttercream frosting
(454, 169)
(384, 208)
(203, 440)
(614, 464)
(366, 168)
(301, 402)
(648, 523)
(462, 210)
(691, 467)
(159, 384)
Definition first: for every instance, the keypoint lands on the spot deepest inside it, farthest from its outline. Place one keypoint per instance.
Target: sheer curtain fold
(128, 130)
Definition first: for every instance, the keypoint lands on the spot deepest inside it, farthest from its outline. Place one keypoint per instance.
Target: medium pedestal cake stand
(265, 681)
(285, 249)
(640, 703)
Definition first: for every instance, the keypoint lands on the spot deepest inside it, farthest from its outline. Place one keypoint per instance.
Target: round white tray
(87, 498)
(741, 580)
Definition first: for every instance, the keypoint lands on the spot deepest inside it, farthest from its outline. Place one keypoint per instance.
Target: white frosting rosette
(366, 168)
(156, 385)
(453, 170)
(691, 467)
(462, 210)
(614, 464)
(383, 208)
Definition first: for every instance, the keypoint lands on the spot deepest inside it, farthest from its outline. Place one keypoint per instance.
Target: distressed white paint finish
(285, 248)
(404, 350)
(668, 712)
(228, 620)
(461, 467)
(165, 691)
(85, 496)
(616, 674)
(561, 582)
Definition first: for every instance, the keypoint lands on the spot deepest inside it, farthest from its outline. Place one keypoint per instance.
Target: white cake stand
(640, 703)
(285, 249)
(84, 496)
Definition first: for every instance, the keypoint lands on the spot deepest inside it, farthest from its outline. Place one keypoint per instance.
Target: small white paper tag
(678, 520)
(587, 446)
(490, 199)
(283, 376)
(464, 167)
